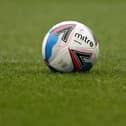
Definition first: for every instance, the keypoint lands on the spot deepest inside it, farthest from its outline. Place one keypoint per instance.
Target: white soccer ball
(70, 46)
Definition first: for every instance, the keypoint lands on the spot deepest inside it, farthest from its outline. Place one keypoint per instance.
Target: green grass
(31, 95)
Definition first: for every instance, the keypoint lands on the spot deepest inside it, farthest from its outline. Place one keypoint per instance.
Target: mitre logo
(84, 39)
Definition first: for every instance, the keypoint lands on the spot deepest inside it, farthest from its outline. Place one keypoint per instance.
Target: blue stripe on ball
(52, 40)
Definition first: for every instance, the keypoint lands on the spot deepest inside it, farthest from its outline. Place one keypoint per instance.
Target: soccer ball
(70, 46)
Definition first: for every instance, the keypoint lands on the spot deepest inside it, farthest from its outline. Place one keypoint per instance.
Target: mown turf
(31, 95)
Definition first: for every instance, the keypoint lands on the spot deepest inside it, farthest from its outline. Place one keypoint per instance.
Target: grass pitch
(32, 95)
